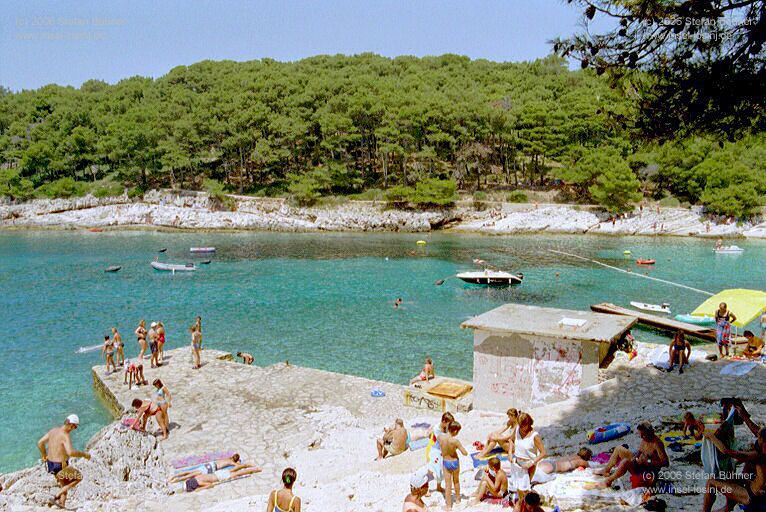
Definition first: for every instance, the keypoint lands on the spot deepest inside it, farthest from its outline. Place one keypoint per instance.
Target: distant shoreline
(169, 211)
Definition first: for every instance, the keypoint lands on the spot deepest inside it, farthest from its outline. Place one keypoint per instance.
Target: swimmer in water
(397, 302)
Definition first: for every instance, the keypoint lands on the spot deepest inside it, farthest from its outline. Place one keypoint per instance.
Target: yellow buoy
(421, 242)
(627, 253)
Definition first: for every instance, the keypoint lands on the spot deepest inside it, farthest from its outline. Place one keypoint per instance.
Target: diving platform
(658, 322)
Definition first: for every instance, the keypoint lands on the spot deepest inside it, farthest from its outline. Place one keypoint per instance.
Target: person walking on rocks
(284, 500)
(56, 457)
(119, 347)
(196, 345)
(723, 320)
(141, 337)
(163, 400)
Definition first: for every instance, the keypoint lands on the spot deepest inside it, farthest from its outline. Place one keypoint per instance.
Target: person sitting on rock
(426, 374)
(567, 463)
(190, 481)
(503, 437)
(494, 482)
(394, 440)
(754, 348)
(647, 461)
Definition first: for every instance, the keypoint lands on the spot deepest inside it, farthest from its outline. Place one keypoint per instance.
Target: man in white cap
(56, 457)
(413, 502)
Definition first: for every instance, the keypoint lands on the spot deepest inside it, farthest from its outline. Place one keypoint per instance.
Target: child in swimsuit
(450, 445)
(679, 350)
(413, 502)
(693, 426)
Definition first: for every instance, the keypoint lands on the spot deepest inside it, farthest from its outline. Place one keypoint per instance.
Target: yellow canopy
(747, 305)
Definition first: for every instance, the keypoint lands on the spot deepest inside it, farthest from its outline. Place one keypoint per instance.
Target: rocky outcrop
(196, 210)
(122, 464)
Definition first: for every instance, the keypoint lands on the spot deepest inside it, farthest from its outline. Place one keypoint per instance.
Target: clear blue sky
(70, 41)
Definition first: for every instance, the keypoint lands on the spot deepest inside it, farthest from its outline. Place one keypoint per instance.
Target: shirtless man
(57, 455)
(530, 503)
(190, 481)
(494, 483)
(567, 463)
(751, 492)
(246, 358)
(450, 445)
(394, 440)
(648, 460)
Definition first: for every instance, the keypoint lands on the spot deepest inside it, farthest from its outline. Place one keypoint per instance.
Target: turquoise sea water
(319, 300)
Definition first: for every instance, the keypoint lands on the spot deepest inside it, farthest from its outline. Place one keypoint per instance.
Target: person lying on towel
(190, 481)
(567, 463)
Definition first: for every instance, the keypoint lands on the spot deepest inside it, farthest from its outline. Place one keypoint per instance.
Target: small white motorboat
(657, 308)
(728, 249)
(173, 267)
(202, 249)
(491, 277)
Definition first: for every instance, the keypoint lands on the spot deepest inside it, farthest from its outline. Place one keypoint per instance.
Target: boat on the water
(113, 268)
(696, 320)
(202, 249)
(657, 308)
(491, 277)
(728, 249)
(645, 262)
(173, 267)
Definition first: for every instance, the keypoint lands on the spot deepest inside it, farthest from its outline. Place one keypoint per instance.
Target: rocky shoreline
(198, 211)
(329, 436)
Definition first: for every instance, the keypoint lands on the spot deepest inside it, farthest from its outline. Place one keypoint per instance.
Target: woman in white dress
(528, 451)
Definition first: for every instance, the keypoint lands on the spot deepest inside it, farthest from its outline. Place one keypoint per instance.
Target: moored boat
(728, 249)
(113, 268)
(696, 320)
(491, 278)
(658, 308)
(202, 249)
(645, 262)
(173, 267)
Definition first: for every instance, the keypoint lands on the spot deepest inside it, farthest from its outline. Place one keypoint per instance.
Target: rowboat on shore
(173, 267)
(491, 278)
(657, 308)
(202, 249)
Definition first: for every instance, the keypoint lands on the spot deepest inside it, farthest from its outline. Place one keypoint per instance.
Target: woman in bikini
(413, 502)
(504, 436)
(141, 335)
(426, 374)
(163, 399)
(145, 409)
(160, 342)
(196, 345)
(118, 347)
(108, 351)
(283, 500)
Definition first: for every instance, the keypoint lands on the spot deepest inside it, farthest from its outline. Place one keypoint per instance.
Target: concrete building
(528, 356)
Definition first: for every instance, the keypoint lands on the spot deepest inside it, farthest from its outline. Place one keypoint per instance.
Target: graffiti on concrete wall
(544, 371)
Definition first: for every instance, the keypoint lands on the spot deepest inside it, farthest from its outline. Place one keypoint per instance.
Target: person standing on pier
(160, 343)
(108, 351)
(723, 320)
(163, 399)
(141, 337)
(56, 457)
(119, 347)
(153, 344)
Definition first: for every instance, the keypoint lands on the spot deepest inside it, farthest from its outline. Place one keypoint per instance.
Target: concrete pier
(263, 413)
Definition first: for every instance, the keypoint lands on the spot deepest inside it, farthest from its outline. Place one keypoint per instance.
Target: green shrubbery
(429, 193)
(217, 192)
(64, 187)
(517, 196)
(480, 200)
(14, 186)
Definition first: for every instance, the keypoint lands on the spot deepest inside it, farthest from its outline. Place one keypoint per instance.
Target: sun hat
(421, 477)
(154, 324)
(72, 419)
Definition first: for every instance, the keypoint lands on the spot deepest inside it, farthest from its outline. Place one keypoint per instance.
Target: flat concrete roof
(553, 322)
